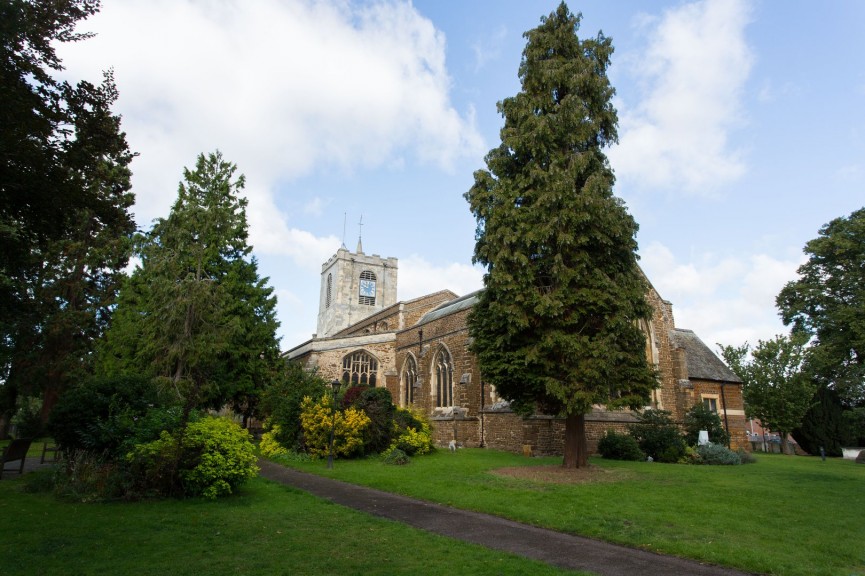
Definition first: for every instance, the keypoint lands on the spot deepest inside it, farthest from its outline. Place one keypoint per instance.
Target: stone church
(418, 350)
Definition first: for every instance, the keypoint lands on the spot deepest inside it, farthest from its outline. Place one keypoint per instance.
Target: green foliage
(824, 425)
(214, 457)
(413, 433)
(658, 436)
(103, 414)
(65, 196)
(396, 457)
(269, 445)
(827, 302)
(90, 477)
(27, 419)
(319, 420)
(615, 446)
(855, 420)
(776, 388)
(717, 454)
(701, 418)
(377, 404)
(556, 327)
(281, 400)
(196, 312)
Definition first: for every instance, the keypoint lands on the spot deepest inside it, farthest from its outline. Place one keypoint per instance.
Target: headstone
(703, 437)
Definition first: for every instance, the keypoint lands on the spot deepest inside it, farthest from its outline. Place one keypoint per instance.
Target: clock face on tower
(367, 288)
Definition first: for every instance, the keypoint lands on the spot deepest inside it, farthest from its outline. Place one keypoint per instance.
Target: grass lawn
(266, 529)
(783, 515)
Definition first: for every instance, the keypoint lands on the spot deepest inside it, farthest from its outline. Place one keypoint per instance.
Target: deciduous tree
(776, 388)
(827, 302)
(555, 329)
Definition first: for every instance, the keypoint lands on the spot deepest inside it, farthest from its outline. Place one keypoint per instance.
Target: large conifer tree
(196, 313)
(556, 329)
(65, 226)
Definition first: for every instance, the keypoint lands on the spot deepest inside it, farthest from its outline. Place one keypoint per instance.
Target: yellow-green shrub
(316, 419)
(416, 437)
(215, 457)
(269, 445)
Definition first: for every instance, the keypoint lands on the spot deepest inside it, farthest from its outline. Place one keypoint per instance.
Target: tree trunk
(576, 453)
(783, 437)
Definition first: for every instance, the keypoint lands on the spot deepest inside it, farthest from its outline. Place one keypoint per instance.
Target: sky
(741, 132)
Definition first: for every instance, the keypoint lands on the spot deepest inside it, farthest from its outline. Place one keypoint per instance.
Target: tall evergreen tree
(65, 226)
(196, 313)
(556, 328)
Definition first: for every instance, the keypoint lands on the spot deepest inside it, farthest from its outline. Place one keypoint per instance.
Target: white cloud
(692, 74)
(270, 234)
(282, 88)
(315, 206)
(418, 277)
(489, 48)
(725, 299)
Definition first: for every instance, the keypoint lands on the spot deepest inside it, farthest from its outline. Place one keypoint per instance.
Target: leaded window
(444, 378)
(359, 368)
(329, 290)
(409, 378)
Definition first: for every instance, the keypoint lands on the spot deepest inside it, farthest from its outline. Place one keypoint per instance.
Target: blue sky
(741, 132)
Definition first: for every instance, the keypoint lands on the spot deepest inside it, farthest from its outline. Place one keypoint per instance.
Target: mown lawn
(266, 529)
(783, 515)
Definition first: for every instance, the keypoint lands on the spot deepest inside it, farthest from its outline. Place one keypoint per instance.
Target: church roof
(703, 364)
(389, 311)
(461, 303)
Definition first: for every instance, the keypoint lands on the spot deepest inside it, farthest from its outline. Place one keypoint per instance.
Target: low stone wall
(544, 435)
(465, 430)
(539, 435)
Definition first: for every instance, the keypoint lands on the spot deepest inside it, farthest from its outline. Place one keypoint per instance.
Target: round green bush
(658, 436)
(378, 405)
(395, 456)
(215, 457)
(716, 454)
(103, 413)
(281, 401)
(615, 446)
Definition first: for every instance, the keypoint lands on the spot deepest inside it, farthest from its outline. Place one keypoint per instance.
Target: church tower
(353, 287)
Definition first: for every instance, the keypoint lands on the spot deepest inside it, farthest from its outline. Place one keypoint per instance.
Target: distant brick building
(418, 350)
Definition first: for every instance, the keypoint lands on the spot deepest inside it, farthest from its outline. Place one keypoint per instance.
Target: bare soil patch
(559, 475)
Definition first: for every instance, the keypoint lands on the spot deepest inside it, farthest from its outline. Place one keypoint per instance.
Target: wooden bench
(15, 451)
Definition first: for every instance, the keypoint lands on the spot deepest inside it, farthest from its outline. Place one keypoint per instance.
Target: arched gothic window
(409, 378)
(359, 368)
(652, 358)
(444, 379)
(329, 291)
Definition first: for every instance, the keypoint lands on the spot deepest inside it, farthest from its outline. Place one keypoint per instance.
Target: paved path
(30, 464)
(556, 548)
